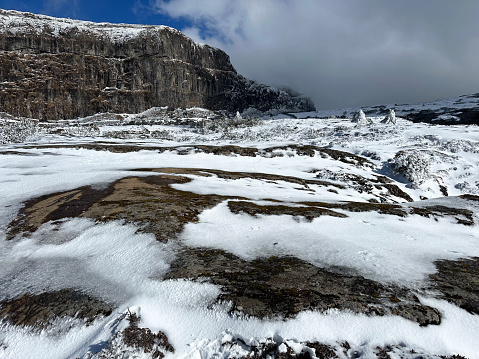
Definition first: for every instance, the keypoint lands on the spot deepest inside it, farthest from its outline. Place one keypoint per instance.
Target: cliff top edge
(17, 23)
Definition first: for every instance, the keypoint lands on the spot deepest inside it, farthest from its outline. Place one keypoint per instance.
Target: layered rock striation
(60, 69)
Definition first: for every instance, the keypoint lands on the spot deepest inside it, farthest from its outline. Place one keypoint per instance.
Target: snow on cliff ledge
(18, 23)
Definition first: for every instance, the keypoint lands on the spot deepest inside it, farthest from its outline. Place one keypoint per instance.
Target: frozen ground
(126, 267)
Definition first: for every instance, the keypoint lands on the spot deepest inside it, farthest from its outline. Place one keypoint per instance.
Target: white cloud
(345, 52)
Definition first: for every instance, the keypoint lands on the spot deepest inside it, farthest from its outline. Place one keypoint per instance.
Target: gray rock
(458, 282)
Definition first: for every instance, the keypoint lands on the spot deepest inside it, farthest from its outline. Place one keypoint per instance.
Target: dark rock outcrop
(458, 282)
(54, 69)
(285, 286)
(446, 116)
(40, 310)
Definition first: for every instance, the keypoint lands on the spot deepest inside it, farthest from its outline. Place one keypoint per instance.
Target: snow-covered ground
(123, 266)
(453, 104)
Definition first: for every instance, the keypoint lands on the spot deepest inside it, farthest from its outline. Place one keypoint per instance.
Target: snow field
(125, 267)
(385, 248)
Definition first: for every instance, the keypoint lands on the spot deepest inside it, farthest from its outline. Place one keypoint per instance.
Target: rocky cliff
(60, 68)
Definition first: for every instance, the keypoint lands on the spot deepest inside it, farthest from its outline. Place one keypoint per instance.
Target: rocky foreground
(187, 233)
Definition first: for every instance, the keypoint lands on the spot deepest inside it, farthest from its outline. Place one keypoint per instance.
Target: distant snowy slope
(457, 110)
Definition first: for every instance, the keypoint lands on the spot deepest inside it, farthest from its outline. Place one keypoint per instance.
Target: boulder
(390, 119)
(360, 119)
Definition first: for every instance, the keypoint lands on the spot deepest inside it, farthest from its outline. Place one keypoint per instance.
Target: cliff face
(59, 68)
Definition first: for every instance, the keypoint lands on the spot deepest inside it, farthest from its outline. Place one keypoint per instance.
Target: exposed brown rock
(145, 339)
(253, 209)
(135, 341)
(265, 287)
(278, 348)
(53, 207)
(470, 197)
(270, 349)
(310, 150)
(156, 207)
(461, 215)
(227, 150)
(357, 182)
(384, 208)
(149, 202)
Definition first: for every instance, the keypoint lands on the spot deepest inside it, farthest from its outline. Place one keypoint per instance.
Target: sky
(344, 53)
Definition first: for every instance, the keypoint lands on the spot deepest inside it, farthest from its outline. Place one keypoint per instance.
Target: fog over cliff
(344, 53)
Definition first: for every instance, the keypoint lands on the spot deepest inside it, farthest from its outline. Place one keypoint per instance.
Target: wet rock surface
(285, 286)
(40, 310)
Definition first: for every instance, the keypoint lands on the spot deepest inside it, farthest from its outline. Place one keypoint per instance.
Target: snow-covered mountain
(55, 69)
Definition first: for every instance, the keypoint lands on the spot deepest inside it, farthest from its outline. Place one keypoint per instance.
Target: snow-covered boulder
(16, 131)
(413, 165)
(238, 118)
(390, 119)
(360, 119)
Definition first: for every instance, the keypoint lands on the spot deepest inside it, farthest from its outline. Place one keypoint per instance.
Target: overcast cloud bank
(344, 53)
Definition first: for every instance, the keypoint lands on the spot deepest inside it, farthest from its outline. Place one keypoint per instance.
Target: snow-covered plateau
(189, 234)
